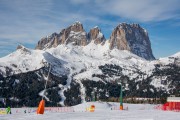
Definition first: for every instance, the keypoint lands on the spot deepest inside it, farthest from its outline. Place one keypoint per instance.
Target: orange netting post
(40, 109)
(121, 107)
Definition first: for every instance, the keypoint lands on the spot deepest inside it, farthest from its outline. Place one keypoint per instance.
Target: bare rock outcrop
(96, 36)
(74, 34)
(133, 38)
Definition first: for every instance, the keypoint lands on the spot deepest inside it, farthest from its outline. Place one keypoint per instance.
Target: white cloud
(141, 10)
(30, 21)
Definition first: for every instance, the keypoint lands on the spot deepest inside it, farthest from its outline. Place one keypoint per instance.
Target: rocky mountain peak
(20, 47)
(96, 35)
(48, 41)
(75, 34)
(132, 37)
(118, 38)
(77, 27)
(23, 49)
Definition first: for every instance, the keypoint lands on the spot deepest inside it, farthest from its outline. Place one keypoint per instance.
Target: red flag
(40, 109)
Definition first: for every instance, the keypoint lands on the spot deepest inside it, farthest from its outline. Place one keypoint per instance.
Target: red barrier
(59, 109)
(172, 106)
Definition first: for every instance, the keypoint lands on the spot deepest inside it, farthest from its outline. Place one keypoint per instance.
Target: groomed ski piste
(103, 111)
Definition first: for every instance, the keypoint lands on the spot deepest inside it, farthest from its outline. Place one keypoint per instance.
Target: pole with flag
(121, 99)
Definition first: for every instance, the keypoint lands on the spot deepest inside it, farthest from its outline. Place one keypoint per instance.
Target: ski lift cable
(48, 76)
(47, 79)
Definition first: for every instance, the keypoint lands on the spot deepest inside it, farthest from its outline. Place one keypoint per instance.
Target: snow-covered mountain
(82, 64)
(73, 58)
(25, 60)
(70, 59)
(79, 69)
(131, 37)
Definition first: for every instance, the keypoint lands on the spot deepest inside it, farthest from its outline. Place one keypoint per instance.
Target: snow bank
(102, 112)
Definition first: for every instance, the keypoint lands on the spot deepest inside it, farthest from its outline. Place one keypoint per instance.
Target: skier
(8, 110)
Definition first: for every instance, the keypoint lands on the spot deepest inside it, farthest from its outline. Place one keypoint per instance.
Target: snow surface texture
(102, 112)
(79, 62)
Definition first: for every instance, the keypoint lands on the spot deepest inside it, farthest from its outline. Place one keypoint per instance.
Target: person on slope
(8, 110)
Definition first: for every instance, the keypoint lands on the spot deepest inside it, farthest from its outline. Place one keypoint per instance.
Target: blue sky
(27, 21)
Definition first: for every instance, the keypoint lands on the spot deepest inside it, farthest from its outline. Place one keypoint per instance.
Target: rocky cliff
(96, 36)
(73, 34)
(133, 38)
(125, 36)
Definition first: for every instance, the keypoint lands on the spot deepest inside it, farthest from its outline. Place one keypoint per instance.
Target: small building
(173, 104)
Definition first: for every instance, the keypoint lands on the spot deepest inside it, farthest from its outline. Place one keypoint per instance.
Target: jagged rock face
(133, 38)
(73, 34)
(76, 27)
(96, 36)
(48, 42)
(118, 40)
(129, 37)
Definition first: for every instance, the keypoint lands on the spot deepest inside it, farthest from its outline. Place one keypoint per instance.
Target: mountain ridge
(76, 70)
(131, 37)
